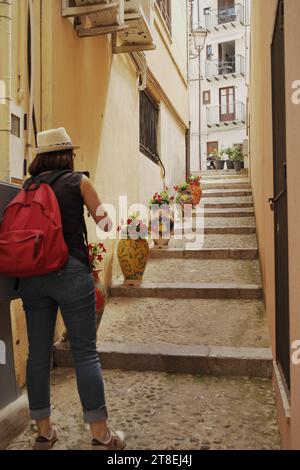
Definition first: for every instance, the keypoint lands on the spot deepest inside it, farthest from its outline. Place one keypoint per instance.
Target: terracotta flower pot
(133, 256)
(196, 192)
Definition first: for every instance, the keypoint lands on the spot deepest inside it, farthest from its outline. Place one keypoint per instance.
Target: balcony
(138, 36)
(233, 67)
(226, 17)
(221, 117)
(128, 20)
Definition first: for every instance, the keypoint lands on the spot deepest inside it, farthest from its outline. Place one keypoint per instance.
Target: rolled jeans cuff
(38, 415)
(94, 416)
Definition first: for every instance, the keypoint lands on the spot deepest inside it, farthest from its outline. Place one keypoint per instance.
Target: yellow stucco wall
(263, 19)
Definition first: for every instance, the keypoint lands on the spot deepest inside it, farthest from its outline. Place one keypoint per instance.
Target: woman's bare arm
(94, 205)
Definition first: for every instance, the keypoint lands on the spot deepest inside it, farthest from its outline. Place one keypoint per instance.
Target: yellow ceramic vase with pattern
(133, 256)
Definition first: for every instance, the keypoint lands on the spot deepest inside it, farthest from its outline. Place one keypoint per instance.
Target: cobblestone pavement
(233, 323)
(170, 412)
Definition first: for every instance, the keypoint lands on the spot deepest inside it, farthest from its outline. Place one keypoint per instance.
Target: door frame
(279, 202)
(229, 116)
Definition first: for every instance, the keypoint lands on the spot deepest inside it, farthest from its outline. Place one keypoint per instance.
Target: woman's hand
(94, 205)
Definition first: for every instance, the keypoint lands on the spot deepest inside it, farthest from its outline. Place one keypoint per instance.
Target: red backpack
(31, 236)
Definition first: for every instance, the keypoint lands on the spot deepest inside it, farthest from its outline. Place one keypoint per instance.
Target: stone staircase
(186, 355)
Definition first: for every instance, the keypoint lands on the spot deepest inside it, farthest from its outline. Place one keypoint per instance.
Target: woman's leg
(41, 313)
(77, 303)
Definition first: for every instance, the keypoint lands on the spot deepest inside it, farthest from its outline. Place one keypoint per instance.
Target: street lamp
(199, 35)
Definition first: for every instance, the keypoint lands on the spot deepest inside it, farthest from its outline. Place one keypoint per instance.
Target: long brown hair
(61, 160)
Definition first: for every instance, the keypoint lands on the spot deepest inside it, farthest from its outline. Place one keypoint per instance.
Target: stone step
(220, 230)
(233, 212)
(227, 205)
(203, 271)
(198, 360)
(169, 412)
(230, 323)
(179, 290)
(226, 193)
(225, 222)
(205, 253)
(225, 185)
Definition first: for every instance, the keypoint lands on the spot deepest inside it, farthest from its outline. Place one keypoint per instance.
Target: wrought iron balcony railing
(234, 113)
(233, 65)
(223, 16)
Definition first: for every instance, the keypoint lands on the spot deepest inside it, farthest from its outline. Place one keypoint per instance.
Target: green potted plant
(133, 248)
(219, 163)
(238, 158)
(228, 152)
(161, 225)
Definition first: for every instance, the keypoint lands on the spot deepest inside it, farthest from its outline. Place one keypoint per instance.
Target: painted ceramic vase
(196, 192)
(133, 256)
(163, 227)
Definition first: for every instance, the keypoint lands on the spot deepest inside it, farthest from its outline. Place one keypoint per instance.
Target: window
(149, 114)
(212, 147)
(165, 8)
(206, 97)
(15, 125)
(227, 104)
(209, 52)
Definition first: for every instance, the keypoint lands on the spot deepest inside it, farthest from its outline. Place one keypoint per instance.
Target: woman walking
(72, 290)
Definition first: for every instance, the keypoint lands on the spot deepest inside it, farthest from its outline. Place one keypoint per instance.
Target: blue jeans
(72, 290)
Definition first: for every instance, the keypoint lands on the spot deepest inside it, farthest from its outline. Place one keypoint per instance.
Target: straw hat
(53, 140)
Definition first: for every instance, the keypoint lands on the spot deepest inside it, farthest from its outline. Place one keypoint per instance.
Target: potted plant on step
(238, 158)
(184, 197)
(195, 188)
(133, 249)
(96, 256)
(161, 226)
(218, 162)
(228, 152)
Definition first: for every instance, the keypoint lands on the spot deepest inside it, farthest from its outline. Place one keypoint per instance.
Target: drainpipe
(5, 88)
(32, 73)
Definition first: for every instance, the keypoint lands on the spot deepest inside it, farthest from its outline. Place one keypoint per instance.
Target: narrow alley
(186, 354)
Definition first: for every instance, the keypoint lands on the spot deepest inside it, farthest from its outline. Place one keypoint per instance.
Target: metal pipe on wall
(5, 88)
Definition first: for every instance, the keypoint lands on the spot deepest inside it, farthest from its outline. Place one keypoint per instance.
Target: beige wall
(262, 180)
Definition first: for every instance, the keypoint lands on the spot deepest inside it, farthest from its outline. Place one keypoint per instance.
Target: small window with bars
(165, 8)
(149, 115)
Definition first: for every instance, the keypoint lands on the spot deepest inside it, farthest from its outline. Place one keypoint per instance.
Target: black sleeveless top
(68, 193)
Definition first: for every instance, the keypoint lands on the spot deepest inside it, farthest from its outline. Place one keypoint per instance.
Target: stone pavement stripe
(205, 253)
(204, 360)
(189, 290)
